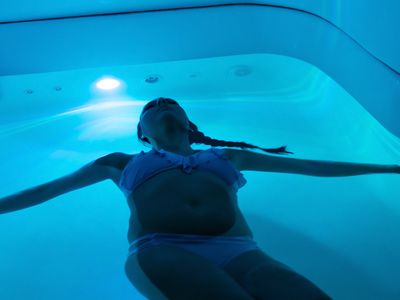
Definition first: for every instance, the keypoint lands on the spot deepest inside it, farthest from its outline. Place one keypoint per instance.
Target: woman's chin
(173, 129)
(170, 120)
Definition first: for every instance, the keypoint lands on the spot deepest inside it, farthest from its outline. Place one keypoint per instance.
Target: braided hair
(198, 137)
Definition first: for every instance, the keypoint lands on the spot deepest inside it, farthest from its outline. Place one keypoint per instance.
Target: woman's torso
(175, 202)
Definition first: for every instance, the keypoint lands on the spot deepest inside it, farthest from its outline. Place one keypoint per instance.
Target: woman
(188, 238)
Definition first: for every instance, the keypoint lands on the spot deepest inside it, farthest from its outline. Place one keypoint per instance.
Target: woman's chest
(183, 203)
(198, 189)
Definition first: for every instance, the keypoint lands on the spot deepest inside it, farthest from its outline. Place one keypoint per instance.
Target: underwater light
(107, 83)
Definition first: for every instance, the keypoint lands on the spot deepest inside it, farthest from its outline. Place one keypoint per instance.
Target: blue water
(340, 232)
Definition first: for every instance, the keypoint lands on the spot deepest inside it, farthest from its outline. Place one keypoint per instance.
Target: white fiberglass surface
(338, 231)
(328, 98)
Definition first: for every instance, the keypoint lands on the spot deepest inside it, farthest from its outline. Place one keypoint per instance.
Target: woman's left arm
(337, 168)
(248, 160)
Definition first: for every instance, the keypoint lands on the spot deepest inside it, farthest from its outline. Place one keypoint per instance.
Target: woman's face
(164, 119)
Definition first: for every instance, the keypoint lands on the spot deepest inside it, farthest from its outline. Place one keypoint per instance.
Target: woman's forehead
(153, 102)
(148, 108)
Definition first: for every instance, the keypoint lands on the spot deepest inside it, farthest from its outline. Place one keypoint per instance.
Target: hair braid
(198, 137)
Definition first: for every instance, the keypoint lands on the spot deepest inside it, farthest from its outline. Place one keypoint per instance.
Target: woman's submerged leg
(140, 281)
(163, 272)
(265, 278)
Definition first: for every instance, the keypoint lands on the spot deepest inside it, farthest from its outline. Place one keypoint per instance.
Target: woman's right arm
(90, 173)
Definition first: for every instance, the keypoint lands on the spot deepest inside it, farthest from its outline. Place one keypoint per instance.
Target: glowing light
(108, 84)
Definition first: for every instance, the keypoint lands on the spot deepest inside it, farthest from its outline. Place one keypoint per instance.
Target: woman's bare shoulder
(116, 160)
